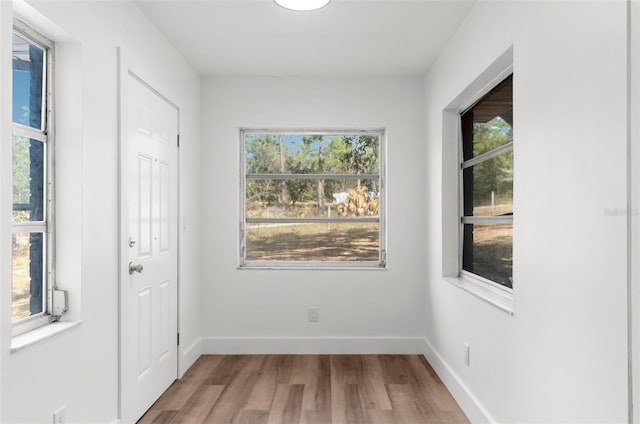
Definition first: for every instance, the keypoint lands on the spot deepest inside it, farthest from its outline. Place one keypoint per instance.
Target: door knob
(135, 268)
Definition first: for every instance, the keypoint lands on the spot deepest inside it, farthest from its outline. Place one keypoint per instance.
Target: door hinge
(178, 139)
(178, 339)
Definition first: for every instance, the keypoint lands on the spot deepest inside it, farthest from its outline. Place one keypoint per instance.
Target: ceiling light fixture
(302, 5)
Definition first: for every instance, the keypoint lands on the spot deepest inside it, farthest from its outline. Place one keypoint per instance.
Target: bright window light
(302, 5)
(312, 199)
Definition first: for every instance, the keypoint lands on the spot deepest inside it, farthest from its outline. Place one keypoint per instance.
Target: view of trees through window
(312, 197)
(29, 157)
(487, 174)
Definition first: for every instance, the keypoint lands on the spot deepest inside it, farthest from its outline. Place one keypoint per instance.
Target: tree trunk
(283, 183)
(320, 182)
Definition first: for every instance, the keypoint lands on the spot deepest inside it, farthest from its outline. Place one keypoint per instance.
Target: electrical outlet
(60, 416)
(313, 315)
(467, 354)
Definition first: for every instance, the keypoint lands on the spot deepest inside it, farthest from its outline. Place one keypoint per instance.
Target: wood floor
(307, 389)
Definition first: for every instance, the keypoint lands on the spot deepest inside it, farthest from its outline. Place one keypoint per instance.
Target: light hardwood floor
(307, 389)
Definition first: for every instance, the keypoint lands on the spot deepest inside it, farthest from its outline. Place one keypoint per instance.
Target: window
(312, 198)
(32, 153)
(487, 186)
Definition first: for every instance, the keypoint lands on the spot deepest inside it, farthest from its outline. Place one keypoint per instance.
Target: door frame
(125, 70)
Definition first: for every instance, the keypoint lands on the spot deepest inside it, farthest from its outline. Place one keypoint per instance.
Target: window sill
(501, 299)
(308, 265)
(45, 332)
(311, 268)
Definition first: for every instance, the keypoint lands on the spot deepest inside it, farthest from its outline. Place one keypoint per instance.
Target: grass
(314, 242)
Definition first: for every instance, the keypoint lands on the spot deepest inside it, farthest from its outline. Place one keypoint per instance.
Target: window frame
(380, 264)
(492, 286)
(46, 136)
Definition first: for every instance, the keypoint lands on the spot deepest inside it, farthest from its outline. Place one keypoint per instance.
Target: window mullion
(30, 133)
(314, 177)
(296, 220)
(507, 219)
(29, 227)
(488, 155)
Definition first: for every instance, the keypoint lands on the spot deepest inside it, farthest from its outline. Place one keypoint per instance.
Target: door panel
(149, 218)
(165, 216)
(165, 313)
(144, 332)
(143, 197)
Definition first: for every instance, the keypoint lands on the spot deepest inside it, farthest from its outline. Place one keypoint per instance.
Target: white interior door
(149, 202)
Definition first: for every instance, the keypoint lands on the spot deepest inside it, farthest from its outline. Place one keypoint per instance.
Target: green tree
(494, 175)
(300, 161)
(21, 170)
(282, 199)
(334, 163)
(262, 157)
(363, 156)
(317, 141)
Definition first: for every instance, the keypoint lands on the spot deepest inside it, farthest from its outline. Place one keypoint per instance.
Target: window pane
(27, 281)
(489, 124)
(489, 187)
(28, 179)
(313, 242)
(311, 198)
(488, 252)
(28, 73)
(312, 154)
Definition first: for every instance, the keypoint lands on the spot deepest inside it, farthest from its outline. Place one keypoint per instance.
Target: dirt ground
(21, 281)
(314, 242)
(493, 252)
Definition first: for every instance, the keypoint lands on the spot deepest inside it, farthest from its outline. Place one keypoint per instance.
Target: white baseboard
(190, 355)
(471, 406)
(313, 345)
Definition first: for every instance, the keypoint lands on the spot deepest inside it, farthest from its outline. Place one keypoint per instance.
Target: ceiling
(346, 38)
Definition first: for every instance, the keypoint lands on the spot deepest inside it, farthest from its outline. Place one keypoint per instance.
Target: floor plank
(307, 389)
(287, 404)
(203, 368)
(177, 395)
(199, 405)
(253, 417)
(353, 405)
(264, 389)
(317, 394)
(158, 417)
(374, 395)
(233, 398)
(405, 405)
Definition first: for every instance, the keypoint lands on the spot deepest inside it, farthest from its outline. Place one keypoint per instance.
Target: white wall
(562, 356)
(79, 368)
(266, 311)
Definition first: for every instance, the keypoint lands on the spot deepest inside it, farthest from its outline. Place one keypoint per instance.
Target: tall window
(312, 199)
(487, 186)
(32, 171)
